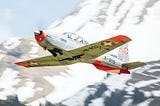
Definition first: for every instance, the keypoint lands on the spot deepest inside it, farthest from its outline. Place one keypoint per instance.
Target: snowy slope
(142, 89)
(38, 85)
(82, 84)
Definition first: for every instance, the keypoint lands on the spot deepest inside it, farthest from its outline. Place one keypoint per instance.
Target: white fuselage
(111, 60)
(66, 41)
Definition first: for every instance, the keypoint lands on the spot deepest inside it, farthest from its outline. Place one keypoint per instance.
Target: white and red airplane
(69, 48)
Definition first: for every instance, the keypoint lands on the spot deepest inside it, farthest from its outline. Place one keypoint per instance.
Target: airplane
(69, 48)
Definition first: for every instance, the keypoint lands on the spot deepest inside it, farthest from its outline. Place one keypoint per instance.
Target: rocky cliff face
(82, 84)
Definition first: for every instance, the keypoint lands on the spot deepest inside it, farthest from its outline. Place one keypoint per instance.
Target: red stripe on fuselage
(110, 69)
(98, 60)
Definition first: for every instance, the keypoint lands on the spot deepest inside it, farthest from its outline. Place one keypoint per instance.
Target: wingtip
(120, 38)
(22, 64)
(125, 37)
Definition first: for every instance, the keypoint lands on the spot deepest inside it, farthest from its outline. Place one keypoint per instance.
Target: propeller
(38, 33)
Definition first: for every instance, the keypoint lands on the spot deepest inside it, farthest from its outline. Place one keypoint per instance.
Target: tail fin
(123, 53)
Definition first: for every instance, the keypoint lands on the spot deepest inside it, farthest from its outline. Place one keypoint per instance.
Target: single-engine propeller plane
(69, 48)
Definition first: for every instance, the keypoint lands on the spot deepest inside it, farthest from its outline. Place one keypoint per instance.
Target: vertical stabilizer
(123, 53)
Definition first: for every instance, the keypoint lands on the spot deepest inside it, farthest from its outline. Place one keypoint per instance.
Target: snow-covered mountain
(39, 84)
(82, 84)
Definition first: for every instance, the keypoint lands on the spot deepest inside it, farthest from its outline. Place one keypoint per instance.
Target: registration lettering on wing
(92, 48)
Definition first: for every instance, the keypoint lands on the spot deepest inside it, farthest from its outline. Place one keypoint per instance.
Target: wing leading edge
(82, 54)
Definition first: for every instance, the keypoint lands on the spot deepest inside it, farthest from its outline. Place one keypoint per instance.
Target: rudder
(123, 53)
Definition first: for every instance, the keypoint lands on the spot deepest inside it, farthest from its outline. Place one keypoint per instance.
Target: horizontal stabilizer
(132, 65)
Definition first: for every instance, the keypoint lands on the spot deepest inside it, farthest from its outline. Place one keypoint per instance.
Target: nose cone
(40, 36)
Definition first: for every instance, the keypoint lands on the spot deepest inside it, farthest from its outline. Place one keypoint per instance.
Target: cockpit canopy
(75, 37)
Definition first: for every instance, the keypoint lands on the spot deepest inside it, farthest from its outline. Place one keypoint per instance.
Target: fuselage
(66, 41)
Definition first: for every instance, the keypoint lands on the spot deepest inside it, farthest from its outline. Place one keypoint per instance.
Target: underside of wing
(132, 65)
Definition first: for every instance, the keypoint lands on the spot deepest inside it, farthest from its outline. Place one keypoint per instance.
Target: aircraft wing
(82, 54)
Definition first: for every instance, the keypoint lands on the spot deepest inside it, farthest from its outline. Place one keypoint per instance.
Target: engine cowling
(40, 36)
